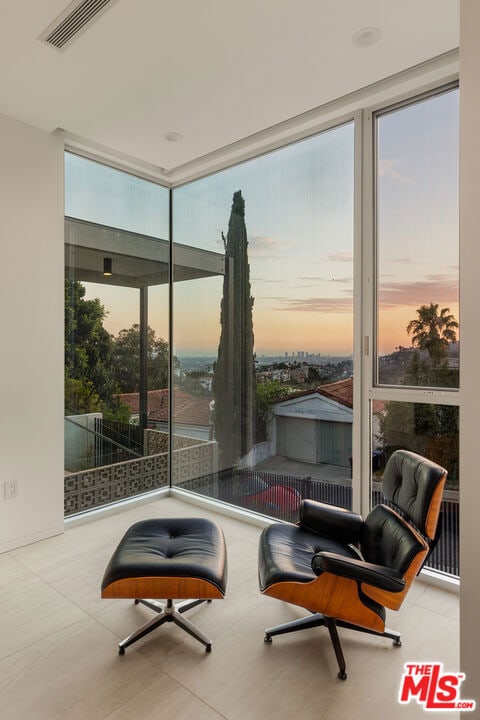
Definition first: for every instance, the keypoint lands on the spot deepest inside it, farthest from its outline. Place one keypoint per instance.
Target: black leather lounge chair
(345, 569)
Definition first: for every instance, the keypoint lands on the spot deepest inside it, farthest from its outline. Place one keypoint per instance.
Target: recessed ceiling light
(366, 37)
(173, 137)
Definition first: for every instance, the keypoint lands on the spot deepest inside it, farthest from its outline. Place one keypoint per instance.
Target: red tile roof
(187, 409)
(340, 391)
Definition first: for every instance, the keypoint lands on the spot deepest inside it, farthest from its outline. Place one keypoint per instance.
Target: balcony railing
(96, 487)
(279, 496)
(273, 494)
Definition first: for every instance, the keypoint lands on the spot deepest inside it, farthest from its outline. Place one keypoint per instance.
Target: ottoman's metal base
(167, 613)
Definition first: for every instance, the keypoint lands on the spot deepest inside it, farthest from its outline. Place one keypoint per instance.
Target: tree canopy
(126, 360)
(428, 429)
(433, 331)
(98, 366)
(88, 352)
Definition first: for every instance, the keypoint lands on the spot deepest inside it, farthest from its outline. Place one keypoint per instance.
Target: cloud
(386, 168)
(332, 278)
(264, 246)
(275, 281)
(440, 289)
(435, 288)
(315, 304)
(344, 257)
(314, 278)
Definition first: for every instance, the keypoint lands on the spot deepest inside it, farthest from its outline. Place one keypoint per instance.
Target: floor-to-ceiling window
(116, 334)
(255, 369)
(264, 348)
(415, 373)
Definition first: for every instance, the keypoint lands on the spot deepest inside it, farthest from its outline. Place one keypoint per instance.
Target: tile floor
(58, 641)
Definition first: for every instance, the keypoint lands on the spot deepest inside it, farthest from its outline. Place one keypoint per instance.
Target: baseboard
(18, 542)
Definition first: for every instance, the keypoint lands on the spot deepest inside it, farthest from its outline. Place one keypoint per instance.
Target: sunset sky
(299, 217)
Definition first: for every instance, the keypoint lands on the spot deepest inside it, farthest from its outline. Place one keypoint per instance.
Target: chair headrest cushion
(387, 540)
(410, 481)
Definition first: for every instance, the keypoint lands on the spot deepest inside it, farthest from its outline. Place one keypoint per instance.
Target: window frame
(431, 78)
(371, 389)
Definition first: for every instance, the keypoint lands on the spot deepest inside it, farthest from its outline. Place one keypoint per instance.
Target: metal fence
(279, 496)
(116, 441)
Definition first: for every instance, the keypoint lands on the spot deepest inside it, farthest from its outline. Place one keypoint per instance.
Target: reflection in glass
(103, 195)
(116, 334)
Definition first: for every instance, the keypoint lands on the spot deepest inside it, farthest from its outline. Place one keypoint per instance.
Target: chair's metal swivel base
(168, 612)
(319, 620)
(174, 557)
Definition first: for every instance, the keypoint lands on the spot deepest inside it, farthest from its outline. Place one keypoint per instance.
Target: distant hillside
(392, 367)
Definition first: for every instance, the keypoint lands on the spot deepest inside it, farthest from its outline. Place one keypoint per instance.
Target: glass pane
(106, 196)
(116, 336)
(431, 431)
(417, 244)
(263, 328)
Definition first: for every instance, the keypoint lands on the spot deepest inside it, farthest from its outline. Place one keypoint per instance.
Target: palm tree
(433, 331)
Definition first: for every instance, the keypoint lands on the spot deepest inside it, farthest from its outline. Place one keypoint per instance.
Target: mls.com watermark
(428, 685)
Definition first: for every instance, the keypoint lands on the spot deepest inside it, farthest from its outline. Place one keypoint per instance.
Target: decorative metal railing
(272, 494)
(279, 496)
(89, 489)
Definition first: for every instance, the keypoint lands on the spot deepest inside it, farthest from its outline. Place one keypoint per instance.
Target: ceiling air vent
(73, 21)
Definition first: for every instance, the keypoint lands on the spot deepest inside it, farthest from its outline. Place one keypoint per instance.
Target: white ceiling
(215, 71)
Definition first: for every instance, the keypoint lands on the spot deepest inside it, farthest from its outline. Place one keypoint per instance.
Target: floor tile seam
(49, 584)
(443, 615)
(38, 573)
(427, 607)
(137, 694)
(239, 620)
(61, 594)
(195, 695)
(21, 566)
(38, 640)
(99, 622)
(242, 539)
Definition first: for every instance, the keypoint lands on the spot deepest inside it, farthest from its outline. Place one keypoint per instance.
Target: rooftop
(187, 409)
(341, 391)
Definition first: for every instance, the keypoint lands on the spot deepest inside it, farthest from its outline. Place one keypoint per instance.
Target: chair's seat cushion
(170, 548)
(286, 553)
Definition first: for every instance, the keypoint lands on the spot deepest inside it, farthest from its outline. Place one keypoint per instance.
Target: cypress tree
(234, 374)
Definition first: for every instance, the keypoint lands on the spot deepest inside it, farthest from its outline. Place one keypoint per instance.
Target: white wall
(470, 347)
(31, 326)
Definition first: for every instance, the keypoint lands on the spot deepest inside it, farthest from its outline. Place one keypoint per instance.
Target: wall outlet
(10, 489)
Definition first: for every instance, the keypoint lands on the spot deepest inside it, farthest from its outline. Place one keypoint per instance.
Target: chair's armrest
(378, 575)
(331, 521)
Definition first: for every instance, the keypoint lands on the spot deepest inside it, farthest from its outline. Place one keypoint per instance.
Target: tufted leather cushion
(170, 547)
(286, 552)
(387, 540)
(330, 520)
(409, 481)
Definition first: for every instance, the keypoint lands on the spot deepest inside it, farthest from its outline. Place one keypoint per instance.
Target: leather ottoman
(168, 558)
